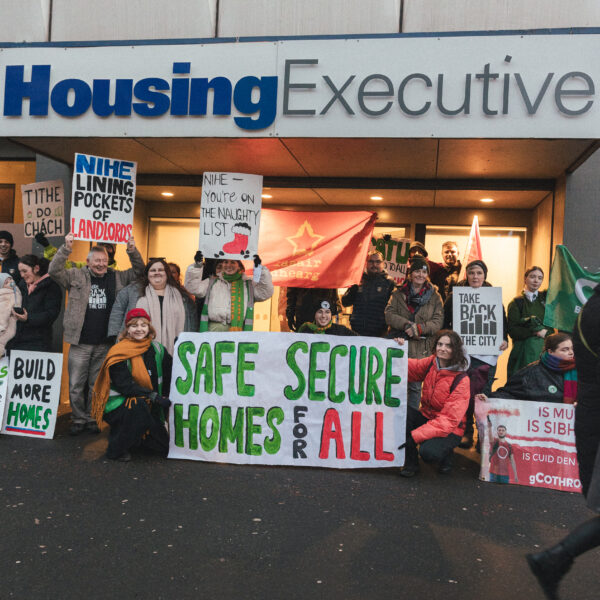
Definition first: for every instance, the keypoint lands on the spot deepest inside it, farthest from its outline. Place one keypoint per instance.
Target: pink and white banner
(529, 443)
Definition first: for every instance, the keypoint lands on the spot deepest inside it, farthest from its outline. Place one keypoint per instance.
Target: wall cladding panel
(474, 15)
(25, 20)
(133, 20)
(238, 18)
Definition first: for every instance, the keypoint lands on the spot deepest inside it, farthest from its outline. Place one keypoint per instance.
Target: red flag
(315, 249)
(473, 249)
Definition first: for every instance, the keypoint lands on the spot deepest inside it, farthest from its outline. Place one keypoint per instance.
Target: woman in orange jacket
(438, 425)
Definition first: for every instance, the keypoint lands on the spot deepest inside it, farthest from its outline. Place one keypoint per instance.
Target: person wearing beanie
(129, 391)
(417, 249)
(415, 313)
(8, 257)
(301, 302)
(483, 367)
(323, 322)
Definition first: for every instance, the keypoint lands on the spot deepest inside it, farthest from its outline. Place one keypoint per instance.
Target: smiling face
(443, 350)
(564, 350)
(230, 267)
(418, 277)
(475, 276)
(138, 329)
(157, 276)
(29, 274)
(323, 317)
(534, 280)
(450, 255)
(98, 263)
(4, 247)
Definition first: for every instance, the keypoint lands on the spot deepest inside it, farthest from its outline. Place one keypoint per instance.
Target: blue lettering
(59, 98)
(16, 89)
(123, 96)
(266, 105)
(159, 101)
(222, 90)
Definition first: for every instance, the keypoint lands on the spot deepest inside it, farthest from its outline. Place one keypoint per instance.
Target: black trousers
(434, 450)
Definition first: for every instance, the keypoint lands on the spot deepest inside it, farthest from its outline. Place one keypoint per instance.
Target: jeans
(413, 394)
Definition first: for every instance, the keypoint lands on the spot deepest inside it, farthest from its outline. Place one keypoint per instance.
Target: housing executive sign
(465, 86)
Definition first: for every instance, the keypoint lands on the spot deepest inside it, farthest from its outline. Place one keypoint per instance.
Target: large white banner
(230, 215)
(288, 399)
(463, 86)
(478, 318)
(33, 393)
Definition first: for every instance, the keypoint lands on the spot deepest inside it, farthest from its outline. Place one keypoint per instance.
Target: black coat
(533, 382)
(369, 300)
(10, 265)
(43, 307)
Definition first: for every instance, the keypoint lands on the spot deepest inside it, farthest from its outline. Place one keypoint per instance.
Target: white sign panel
(478, 318)
(395, 256)
(33, 394)
(103, 199)
(479, 86)
(288, 399)
(44, 208)
(230, 215)
(3, 385)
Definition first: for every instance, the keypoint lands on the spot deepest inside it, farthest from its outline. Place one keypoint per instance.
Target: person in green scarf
(229, 296)
(525, 318)
(323, 322)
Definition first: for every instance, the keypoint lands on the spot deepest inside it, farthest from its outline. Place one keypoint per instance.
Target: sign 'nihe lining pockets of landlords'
(477, 317)
(230, 215)
(288, 399)
(103, 198)
(33, 393)
(479, 86)
(44, 208)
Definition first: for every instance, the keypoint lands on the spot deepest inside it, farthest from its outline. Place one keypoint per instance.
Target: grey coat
(127, 299)
(78, 283)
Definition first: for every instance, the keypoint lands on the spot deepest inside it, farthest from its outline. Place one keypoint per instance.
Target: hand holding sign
(69, 241)
(130, 244)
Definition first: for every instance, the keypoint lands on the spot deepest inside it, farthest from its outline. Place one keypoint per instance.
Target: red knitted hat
(136, 313)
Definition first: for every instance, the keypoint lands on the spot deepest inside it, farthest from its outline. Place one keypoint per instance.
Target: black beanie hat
(7, 235)
(420, 246)
(417, 263)
(477, 263)
(325, 303)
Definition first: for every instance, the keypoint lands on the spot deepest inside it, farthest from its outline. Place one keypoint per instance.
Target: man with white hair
(92, 291)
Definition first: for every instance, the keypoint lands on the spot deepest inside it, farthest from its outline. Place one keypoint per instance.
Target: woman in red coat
(438, 425)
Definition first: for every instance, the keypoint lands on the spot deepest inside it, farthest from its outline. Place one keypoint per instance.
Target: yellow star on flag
(305, 239)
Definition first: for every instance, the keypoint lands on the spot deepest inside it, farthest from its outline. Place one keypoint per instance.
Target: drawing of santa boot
(239, 244)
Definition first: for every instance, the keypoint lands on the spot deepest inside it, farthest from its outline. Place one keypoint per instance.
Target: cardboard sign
(529, 443)
(44, 208)
(33, 393)
(288, 399)
(230, 215)
(3, 386)
(103, 199)
(395, 256)
(477, 318)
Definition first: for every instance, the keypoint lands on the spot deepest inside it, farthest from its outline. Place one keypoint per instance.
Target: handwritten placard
(44, 208)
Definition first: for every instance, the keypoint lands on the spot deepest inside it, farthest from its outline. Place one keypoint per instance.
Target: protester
(323, 322)
(8, 257)
(439, 424)
(418, 249)
(483, 367)
(10, 298)
(92, 291)
(171, 308)
(447, 276)
(230, 295)
(50, 252)
(549, 566)
(175, 272)
(128, 393)
(370, 298)
(41, 305)
(552, 378)
(301, 303)
(525, 316)
(415, 313)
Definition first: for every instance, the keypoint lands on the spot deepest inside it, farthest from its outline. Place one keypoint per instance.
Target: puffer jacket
(9, 298)
(429, 317)
(534, 382)
(445, 411)
(219, 300)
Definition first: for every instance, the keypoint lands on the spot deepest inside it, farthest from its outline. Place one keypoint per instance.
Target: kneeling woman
(323, 322)
(129, 388)
(437, 427)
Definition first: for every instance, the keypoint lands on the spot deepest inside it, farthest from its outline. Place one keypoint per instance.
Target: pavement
(76, 525)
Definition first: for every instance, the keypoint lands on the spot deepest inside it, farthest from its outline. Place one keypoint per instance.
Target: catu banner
(529, 443)
(288, 399)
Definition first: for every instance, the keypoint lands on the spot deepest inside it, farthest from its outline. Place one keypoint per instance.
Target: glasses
(375, 262)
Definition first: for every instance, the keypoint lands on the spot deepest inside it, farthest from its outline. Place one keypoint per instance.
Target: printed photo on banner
(3, 386)
(288, 399)
(103, 199)
(529, 443)
(44, 208)
(230, 215)
(395, 256)
(478, 318)
(33, 394)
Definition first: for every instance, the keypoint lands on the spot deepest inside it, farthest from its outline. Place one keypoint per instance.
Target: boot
(239, 244)
(467, 441)
(549, 567)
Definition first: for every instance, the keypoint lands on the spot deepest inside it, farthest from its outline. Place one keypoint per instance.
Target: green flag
(569, 289)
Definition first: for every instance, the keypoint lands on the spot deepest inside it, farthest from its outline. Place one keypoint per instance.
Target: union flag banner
(315, 249)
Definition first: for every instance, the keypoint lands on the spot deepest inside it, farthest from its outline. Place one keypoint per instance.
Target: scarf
(126, 349)
(31, 286)
(316, 329)
(237, 300)
(171, 322)
(415, 300)
(567, 368)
